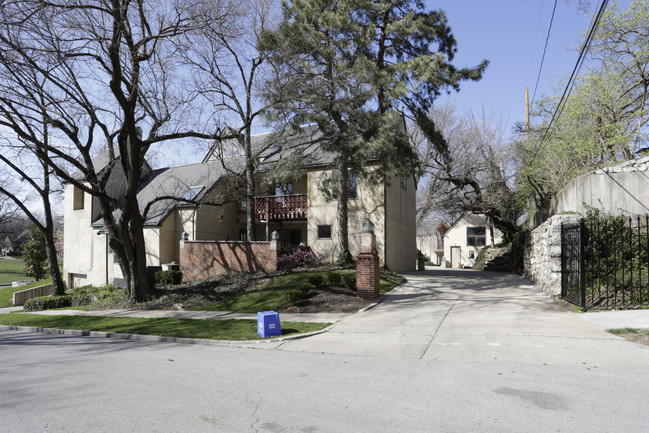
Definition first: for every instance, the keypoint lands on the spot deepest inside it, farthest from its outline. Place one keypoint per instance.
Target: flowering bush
(296, 259)
(58, 244)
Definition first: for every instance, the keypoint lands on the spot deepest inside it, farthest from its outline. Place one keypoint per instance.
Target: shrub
(349, 280)
(168, 278)
(299, 293)
(35, 255)
(298, 259)
(316, 280)
(333, 278)
(47, 302)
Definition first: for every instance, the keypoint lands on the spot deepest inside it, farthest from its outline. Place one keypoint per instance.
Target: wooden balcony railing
(281, 207)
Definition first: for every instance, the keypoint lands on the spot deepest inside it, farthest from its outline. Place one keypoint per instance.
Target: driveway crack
(436, 329)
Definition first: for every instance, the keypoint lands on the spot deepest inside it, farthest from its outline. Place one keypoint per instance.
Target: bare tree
(101, 75)
(472, 172)
(44, 185)
(229, 70)
(8, 211)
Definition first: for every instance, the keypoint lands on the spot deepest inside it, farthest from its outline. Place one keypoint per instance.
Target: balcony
(281, 207)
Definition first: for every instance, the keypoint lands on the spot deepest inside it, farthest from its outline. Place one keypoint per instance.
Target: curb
(159, 338)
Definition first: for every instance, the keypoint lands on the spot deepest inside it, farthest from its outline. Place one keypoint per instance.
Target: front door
(455, 257)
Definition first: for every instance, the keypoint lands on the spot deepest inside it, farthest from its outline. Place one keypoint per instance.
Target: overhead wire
(545, 48)
(566, 92)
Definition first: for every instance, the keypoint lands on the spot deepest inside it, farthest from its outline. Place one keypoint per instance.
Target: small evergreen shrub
(47, 302)
(349, 280)
(300, 293)
(168, 278)
(333, 278)
(316, 280)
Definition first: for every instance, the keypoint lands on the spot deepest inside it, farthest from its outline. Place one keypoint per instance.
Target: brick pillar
(367, 268)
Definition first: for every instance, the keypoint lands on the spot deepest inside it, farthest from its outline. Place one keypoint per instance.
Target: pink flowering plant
(298, 259)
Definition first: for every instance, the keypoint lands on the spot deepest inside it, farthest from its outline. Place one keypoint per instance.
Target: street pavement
(450, 351)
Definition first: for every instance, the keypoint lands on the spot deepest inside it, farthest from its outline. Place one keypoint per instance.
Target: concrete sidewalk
(475, 316)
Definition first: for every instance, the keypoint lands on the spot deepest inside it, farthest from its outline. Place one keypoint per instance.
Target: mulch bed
(327, 299)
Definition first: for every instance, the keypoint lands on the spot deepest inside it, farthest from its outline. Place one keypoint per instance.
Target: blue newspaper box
(268, 324)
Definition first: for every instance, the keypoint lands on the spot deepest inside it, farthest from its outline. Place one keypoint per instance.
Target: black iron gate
(572, 264)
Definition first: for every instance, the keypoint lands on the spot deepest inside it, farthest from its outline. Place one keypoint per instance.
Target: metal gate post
(582, 264)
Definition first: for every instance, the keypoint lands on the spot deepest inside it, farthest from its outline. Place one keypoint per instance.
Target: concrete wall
(456, 250)
(623, 188)
(401, 227)
(543, 254)
(83, 248)
(369, 204)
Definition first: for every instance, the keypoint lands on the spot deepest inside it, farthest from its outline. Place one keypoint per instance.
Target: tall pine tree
(354, 68)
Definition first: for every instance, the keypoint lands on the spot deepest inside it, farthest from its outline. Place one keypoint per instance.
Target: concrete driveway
(465, 315)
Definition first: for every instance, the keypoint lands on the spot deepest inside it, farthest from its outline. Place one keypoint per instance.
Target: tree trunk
(250, 202)
(140, 289)
(58, 287)
(344, 256)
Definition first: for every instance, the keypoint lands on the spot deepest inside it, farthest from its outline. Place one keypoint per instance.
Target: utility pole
(527, 116)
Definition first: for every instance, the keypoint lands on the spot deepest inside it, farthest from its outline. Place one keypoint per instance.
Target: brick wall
(202, 259)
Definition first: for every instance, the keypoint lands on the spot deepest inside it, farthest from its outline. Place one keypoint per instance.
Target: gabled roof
(101, 161)
(306, 144)
(165, 186)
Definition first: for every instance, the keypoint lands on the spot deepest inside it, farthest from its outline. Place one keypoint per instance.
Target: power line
(545, 48)
(566, 92)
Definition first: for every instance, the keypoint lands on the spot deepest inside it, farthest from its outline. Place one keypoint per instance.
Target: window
(476, 236)
(404, 183)
(324, 232)
(284, 189)
(242, 207)
(243, 235)
(192, 192)
(352, 183)
(78, 198)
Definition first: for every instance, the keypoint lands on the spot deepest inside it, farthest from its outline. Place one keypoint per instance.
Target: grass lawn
(274, 294)
(636, 335)
(230, 329)
(11, 269)
(7, 294)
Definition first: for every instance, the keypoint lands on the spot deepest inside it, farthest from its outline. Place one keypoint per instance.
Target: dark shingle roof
(174, 182)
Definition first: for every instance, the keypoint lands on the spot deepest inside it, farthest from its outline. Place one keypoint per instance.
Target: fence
(613, 263)
(23, 296)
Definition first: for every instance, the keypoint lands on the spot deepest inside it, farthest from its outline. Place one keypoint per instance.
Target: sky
(511, 34)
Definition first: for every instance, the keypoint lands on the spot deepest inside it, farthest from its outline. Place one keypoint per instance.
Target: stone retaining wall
(543, 253)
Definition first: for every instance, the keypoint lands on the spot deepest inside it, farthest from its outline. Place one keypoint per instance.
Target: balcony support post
(267, 219)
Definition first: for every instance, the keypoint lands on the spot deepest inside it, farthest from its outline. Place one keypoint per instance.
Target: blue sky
(511, 35)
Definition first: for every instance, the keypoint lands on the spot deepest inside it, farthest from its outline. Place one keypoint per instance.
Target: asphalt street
(447, 352)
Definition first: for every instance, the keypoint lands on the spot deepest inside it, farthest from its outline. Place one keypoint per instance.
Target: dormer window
(192, 192)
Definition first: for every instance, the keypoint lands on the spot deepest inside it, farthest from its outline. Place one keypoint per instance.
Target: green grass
(12, 270)
(275, 293)
(7, 294)
(623, 331)
(229, 329)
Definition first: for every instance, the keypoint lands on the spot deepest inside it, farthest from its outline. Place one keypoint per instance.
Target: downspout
(194, 222)
(385, 225)
(106, 256)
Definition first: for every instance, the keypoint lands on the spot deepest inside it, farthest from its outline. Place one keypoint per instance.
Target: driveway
(462, 315)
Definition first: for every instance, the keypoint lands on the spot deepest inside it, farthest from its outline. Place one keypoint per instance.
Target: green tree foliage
(347, 66)
(604, 119)
(35, 255)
